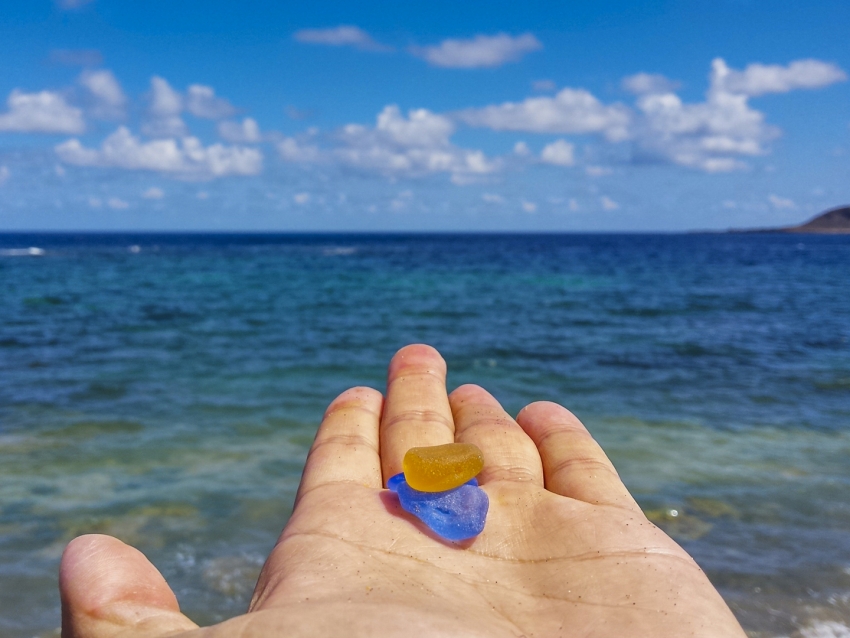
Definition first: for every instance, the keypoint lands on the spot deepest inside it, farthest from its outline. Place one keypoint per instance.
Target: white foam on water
(32, 251)
(233, 576)
(827, 629)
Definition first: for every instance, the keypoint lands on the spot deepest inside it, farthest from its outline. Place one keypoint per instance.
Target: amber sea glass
(441, 467)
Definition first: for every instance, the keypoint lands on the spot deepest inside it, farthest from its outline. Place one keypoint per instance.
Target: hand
(566, 551)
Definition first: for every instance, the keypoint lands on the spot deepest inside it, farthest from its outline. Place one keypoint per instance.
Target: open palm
(565, 552)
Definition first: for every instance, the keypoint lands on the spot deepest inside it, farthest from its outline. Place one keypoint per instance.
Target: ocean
(165, 389)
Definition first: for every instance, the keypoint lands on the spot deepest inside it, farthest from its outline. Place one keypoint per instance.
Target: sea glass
(455, 515)
(441, 467)
(394, 481)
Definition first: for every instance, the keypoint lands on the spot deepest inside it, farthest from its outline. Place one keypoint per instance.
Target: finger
(346, 446)
(573, 463)
(416, 411)
(509, 455)
(108, 588)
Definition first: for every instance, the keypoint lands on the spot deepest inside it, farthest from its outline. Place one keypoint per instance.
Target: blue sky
(375, 116)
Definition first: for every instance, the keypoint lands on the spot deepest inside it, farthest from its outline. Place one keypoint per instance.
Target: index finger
(346, 446)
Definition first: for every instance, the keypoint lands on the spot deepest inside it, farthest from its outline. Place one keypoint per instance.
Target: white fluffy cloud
(559, 153)
(421, 128)
(608, 203)
(201, 101)
(292, 150)
(43, 112)
(711, 135)
(415, 145)
(343, 35)
(109, 99)
(641, 83)
(165, 101)
(781, 202)
(166, 105)
(480, 51)
(240, 132)
(184, 158)
(714, 135)
(759, 79)
(569, 111)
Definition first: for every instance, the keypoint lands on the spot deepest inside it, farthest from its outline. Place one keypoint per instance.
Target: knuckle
(419, 419)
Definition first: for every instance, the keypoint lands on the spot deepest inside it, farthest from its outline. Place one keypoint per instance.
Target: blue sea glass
(455, 514)
(394, 481)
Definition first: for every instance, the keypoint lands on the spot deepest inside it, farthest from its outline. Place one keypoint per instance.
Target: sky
(437, 116)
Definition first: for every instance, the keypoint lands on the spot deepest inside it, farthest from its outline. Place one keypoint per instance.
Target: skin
(566, 551)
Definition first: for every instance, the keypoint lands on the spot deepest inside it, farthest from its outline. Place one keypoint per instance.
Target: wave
(32, 251)
(827, 629)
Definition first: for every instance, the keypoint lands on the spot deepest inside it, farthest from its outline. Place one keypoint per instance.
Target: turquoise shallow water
(165, 389)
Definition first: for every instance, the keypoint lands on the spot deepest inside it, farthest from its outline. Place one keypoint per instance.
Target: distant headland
(835, 221)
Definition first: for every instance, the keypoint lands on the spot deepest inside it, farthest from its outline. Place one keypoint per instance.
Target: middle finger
(416, 410)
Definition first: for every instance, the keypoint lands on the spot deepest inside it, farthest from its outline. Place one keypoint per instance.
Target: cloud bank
(414, 145)
(719, 133)
(186, 157)
(569, 111)
(715, 135)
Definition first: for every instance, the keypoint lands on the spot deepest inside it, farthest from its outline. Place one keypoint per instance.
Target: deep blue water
(165, 389)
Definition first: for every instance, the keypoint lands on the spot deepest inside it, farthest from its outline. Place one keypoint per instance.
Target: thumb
(109, 588)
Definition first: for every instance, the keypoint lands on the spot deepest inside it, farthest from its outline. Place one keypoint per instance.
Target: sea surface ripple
(165, 389)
